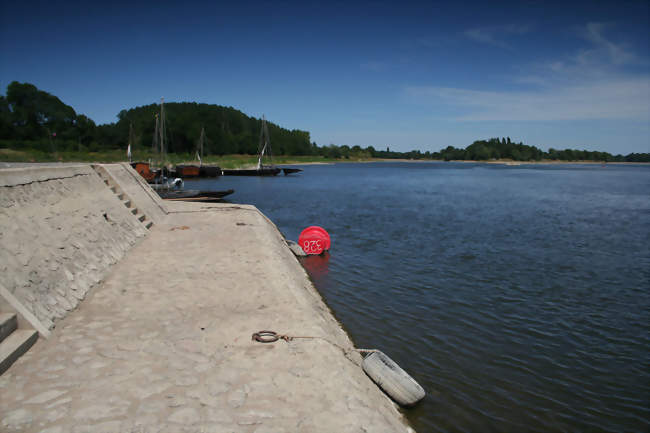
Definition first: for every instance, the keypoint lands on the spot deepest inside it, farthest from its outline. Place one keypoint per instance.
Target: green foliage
(37, 125)
(7, 153)
(34, 114)
(228, 130)
(36, 119)
(497, 149)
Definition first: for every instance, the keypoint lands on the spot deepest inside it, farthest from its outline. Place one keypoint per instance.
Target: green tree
(6, 126)
(85, 129)
(35, 114)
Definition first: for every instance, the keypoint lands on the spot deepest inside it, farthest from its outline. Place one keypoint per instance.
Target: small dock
(162, 341)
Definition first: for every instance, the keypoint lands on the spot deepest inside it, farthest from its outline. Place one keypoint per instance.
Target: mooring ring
(266, 337)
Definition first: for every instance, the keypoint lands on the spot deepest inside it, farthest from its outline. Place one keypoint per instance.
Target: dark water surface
(518, 297)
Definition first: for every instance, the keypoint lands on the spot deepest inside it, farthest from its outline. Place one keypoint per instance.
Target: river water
(517, 296)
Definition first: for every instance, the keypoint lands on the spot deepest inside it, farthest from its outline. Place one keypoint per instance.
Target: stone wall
(61, 229)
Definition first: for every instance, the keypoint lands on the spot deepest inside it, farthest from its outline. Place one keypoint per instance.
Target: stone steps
(122, 196)
(13, 342)
(8, 324)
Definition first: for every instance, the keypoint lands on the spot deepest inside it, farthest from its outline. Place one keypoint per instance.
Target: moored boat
(184, 170)
(264, 150)
(209, 171)
(193, 194)
(264, 171)
(144, 169)
(153, 175)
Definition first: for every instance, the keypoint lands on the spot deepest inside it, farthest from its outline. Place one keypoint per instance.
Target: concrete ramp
(61, 229)
(163, 341)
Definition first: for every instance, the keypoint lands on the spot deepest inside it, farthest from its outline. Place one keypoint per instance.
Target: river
(517, 296)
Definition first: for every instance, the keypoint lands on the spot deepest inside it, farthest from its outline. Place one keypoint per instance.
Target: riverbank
(161, 339)
(115, 156)
(235, 161)
(548, 162)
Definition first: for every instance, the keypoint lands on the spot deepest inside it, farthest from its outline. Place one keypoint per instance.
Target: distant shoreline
(549, 162)
(246, 161)
(496, 161)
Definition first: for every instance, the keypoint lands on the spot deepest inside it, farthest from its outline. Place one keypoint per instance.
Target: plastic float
(314, 240)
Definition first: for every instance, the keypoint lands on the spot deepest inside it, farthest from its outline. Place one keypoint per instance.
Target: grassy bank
(223, 161)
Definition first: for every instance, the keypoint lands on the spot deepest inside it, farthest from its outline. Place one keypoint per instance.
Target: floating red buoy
(314, 240)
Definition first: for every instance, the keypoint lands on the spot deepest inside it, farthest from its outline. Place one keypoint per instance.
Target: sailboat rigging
(158, 147)
(264, 149)
(128, 150)
(199, 151)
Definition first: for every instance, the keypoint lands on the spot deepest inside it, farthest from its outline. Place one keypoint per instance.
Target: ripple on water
(517, 296)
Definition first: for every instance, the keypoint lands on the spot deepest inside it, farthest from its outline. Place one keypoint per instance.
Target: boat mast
(162, 128)
(268, 143)
(201, 141)
(154, 142)
(265, 143)
(130, 139)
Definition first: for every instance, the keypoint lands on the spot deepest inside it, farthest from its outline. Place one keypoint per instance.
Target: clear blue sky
(409, 75)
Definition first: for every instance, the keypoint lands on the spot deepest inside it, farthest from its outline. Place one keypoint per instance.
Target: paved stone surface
(61, 229)
(163, 344)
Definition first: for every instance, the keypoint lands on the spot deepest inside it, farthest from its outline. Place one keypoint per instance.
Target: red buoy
(314, 240)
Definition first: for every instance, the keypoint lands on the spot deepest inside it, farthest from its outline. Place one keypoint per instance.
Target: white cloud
(621, 99)
(590, 84)
(601, 60)
(496, 35)
(616, 53)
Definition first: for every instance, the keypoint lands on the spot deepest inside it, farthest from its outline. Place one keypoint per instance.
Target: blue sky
(409, 75)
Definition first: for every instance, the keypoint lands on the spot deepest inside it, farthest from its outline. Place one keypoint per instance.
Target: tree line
(504, 148)
(484, 150)
(33, 119)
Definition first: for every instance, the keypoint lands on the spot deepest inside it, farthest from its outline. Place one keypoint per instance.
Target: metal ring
(266, 336)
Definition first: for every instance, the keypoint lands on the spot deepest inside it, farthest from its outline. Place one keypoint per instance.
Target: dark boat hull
(291, 170)
(186, 171)
(253, 172)
(194, 194)
(210, 171)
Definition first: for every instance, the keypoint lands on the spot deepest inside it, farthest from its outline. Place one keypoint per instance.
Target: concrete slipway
(157, 337)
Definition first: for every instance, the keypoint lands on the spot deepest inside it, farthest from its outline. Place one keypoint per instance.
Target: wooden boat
(171, 194)
(200, 170)
(209, 171)
(265, 171)
(264, 149)
(198, 199)
(166, 184)
(144, 169)
(183, 170)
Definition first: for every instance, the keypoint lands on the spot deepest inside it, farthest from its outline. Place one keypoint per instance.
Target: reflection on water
(518, 297)
(317, 266)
